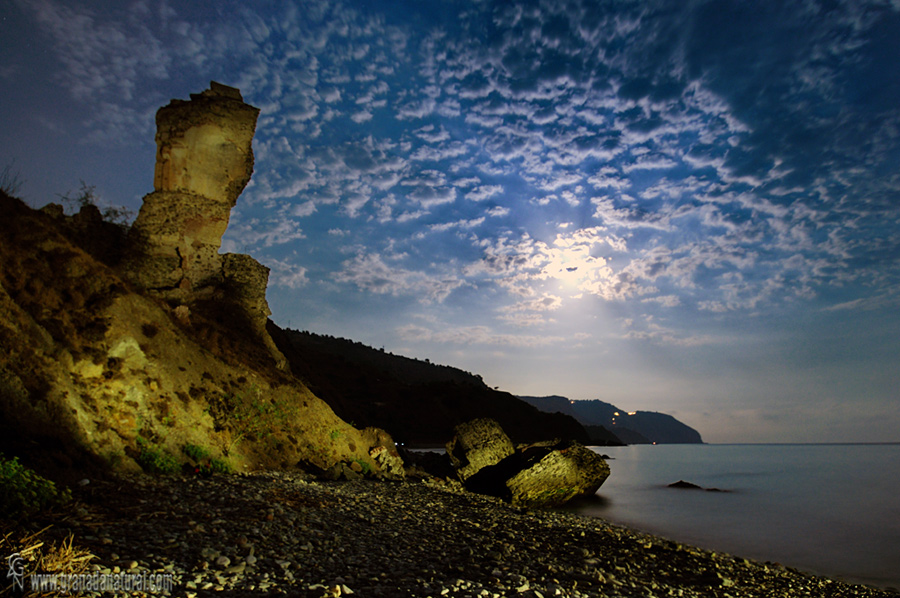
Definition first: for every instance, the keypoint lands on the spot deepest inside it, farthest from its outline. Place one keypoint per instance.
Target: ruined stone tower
(204, 160)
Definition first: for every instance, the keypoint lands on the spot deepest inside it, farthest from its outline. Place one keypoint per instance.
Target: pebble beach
(285, 534)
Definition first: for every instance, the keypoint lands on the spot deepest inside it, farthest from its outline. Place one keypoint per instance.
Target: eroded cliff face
(204, 159)
(93, 369)
(142, 359)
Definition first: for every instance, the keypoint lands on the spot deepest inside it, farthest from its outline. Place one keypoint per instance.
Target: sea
(827, 509)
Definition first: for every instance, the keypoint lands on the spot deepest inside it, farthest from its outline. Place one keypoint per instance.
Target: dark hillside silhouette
(417, 402)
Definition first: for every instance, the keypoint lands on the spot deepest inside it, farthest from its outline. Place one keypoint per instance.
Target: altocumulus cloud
(675, 164)
(371, 273)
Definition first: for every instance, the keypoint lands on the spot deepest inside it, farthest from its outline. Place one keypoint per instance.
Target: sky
(690, 207)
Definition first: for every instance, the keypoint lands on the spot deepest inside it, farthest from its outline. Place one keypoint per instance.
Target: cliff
(415, 401)
(152, 351)
(636, 427)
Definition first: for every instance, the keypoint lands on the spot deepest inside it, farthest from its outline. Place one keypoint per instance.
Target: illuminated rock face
(204, 145)
(204, 160)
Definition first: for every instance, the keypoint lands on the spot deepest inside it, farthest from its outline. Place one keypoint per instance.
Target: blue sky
(688, 207)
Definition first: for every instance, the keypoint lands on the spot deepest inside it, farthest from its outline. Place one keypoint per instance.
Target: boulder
(553, 475)
(545, 474)
(384, 453)
(477, 444)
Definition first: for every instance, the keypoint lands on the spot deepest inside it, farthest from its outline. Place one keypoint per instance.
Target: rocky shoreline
(284, 533)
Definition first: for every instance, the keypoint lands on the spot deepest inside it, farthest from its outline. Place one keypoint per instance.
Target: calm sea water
(833, 510)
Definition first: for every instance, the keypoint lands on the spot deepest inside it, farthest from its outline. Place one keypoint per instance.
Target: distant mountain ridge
(635, 427)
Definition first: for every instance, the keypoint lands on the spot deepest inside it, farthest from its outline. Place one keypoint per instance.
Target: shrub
(153, 459)
(197, 453)
(366, 468)
(87, 196)
(219, 465)
(250, 415)
(10, 181)
(206, 464)
(24, 492)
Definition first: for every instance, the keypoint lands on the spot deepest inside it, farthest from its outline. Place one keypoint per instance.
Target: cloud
(664, 300)
(484, 192)
(429, 153)
(361, 117)
(369, 272)
(474, 335)
(307, 208)
(431, 134)
(254, 232)
(286, 274)
(525, 265)
(648, 330)
(416, 110)
(459, 224)
(530, 312)
(101, 57)
(695, 174)
(430, 197)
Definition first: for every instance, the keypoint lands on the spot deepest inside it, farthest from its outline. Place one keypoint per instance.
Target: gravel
(282, 533)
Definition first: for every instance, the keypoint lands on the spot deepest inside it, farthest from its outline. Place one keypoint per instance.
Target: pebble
(399, 539)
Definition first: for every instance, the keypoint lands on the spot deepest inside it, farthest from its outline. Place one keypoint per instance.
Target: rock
(204, 160)
(478, 444)
(425, 464)
(349, 473)
(390, 462)
(553, 475)
(544, 474)
(685, 485)
(384, 453)
(689, 486)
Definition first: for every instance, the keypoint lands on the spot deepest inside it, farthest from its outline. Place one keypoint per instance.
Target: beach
(284, 533)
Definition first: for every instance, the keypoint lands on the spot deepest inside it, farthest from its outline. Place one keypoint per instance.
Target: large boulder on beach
(554, 473)
(478, 444)
(545, 474)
